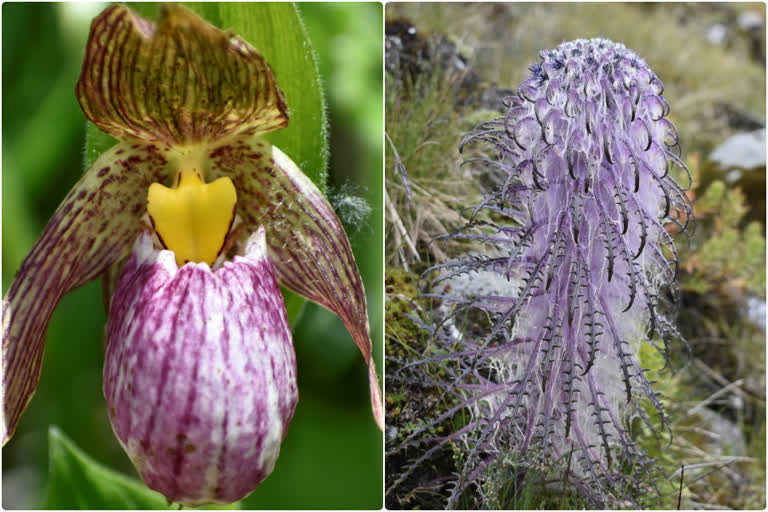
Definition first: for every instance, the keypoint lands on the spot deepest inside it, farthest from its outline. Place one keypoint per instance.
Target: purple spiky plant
(585, 272)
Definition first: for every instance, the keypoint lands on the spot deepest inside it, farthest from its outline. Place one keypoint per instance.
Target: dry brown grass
(425, 128)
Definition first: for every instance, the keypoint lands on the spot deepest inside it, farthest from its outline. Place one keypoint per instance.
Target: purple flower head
(577, 230)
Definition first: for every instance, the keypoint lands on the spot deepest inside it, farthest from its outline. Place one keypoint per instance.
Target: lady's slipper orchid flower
(199, 372)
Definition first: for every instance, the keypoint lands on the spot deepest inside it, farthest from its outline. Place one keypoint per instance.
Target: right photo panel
(575, 256)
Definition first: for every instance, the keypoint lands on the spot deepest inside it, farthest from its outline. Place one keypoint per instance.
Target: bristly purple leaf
(579, 231)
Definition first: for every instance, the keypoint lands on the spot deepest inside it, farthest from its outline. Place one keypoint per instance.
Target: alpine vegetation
(580, 232)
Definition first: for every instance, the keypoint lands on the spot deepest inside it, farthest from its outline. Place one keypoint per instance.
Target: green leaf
(277, 32)
(96, 143)
(78, 482)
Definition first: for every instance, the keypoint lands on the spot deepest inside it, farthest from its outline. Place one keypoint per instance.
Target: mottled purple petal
(307, 243)
(93, 227)
(182, 80)
(200, 372)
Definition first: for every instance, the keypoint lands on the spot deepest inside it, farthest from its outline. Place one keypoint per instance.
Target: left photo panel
(192, 255)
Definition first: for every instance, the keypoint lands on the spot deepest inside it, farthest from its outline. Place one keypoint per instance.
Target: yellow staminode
(194, 218)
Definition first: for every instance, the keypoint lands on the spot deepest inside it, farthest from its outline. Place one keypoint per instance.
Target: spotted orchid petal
(178, 82)
(200, 372)
(307, 243)
(93, 227)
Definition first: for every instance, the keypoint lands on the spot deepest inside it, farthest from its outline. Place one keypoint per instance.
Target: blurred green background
(332, 457)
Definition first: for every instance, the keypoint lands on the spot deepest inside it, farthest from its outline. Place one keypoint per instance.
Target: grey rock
(743, 150)
(717, 34)
(756, 311)
(722, 436)
(750, 20)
